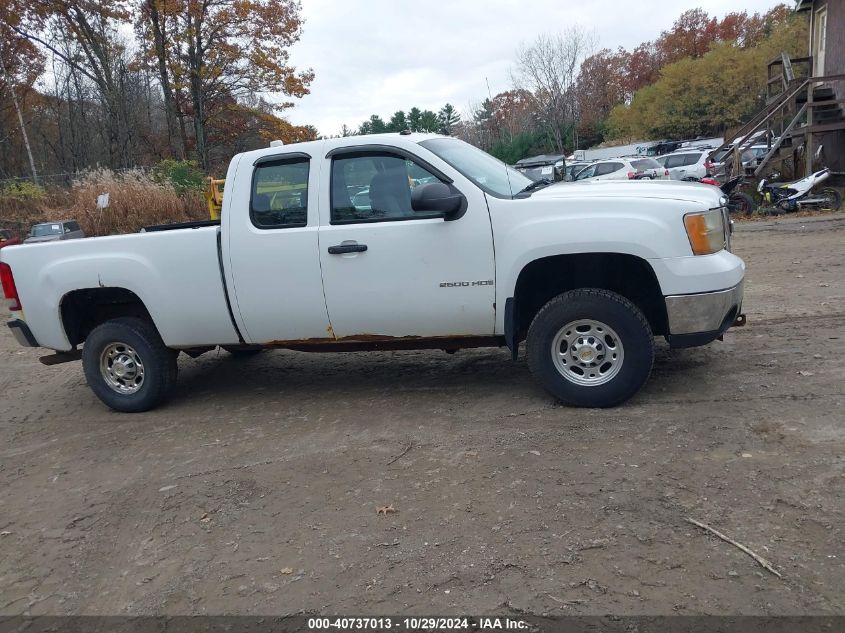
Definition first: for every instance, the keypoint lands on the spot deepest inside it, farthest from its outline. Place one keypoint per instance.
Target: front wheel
(127, 365)
(590, 348)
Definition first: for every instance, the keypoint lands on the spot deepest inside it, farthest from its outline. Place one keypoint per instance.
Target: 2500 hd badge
(462, 284)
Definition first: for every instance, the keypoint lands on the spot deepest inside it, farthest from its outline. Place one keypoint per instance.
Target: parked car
(585, 274)
(550, 166)
(8, 237)
(573, 169)
(54, 231)
(687, 165)
(752, 156)
(623, 169)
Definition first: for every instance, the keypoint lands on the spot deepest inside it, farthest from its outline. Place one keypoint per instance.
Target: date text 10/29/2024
(417, 624)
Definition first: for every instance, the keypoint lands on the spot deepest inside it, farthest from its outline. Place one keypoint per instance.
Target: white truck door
(270, 255)
(401, 275)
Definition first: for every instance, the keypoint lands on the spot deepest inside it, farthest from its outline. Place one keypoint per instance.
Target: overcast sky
(379, 56)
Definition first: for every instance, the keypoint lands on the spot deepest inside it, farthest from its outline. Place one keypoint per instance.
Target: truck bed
(174, 271)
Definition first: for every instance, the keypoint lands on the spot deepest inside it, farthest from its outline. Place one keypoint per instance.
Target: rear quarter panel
(175, 273)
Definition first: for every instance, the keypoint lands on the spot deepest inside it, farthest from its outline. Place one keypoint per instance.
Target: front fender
(567, 227)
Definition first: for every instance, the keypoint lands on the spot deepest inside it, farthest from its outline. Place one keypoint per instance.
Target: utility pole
(20, 120)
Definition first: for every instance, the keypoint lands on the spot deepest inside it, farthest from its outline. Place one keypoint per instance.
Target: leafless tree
(548, 68)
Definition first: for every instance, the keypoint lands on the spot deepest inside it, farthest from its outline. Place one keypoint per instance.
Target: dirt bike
(738, 202)
(792, 196)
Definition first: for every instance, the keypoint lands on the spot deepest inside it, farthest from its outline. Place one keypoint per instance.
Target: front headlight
(706, 231)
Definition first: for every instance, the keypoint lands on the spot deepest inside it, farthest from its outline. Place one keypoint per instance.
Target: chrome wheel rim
(587, 352)
(122, 368)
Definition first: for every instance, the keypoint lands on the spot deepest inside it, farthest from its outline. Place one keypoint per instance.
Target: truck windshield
(40, 230)
(489, 173)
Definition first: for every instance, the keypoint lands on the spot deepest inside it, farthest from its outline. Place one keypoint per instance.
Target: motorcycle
(738, 202)
(792, 196)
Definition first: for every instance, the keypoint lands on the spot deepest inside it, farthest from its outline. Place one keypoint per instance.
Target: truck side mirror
(438, 198)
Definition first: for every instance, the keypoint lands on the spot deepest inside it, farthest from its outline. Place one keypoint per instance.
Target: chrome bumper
(705, 312)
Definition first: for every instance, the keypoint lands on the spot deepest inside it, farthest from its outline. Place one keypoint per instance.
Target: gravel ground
(255, 490)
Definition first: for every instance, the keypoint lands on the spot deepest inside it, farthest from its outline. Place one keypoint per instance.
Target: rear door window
(587, 172)
(691, 159)
(676, 160)
(608, 168)
(279, 198)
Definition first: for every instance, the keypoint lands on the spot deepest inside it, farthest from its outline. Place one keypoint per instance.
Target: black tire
(787, 206)
(607, 308)
(157, 360)
(741, 204)
(243, 352)
(834, 199)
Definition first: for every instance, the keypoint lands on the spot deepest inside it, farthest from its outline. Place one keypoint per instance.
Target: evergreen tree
(414, 117)
(374, 125)
(428, 122)
(447, 118)
(398, 122)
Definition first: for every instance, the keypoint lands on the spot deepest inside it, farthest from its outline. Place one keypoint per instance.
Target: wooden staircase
(798, 108)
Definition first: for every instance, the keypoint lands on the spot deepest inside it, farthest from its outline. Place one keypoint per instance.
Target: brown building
(803, 122)
(827, 38)
(827, 52)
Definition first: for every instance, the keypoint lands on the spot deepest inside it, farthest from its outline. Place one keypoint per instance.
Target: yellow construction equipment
(280, 195)
(214, 196)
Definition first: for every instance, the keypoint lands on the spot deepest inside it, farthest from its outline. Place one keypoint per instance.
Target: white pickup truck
(385, 242)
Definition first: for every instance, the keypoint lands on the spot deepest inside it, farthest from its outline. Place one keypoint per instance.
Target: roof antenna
(276, 143)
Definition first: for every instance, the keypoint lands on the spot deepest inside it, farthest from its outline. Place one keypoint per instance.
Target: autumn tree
(691, 35)
(20, 65)
(600, 86)
(84, 36)
(216, 50)
(705, 95)
(548, 68)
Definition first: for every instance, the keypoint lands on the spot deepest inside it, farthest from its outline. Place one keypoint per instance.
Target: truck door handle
(340, 249)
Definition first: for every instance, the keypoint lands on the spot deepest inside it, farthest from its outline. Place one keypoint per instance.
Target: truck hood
(707, 195)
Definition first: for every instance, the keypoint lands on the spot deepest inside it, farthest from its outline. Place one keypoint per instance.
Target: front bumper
(22, 333)
(698, 319)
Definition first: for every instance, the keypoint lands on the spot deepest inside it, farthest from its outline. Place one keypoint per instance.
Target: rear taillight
(708, 167)
(665, 172)
(9, 289)
(632, 175)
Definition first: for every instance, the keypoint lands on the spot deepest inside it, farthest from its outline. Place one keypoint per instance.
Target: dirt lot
(254, 491)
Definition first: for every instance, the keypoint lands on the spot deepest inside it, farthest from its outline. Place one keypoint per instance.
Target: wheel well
(83, 310)
(627, 275)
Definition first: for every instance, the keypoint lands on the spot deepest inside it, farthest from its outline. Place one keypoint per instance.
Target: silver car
(54, 231)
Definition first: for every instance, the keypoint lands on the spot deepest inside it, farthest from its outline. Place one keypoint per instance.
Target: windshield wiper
(537, 184)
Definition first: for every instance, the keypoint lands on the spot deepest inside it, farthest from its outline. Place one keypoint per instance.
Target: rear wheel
(590, 348)
(127, 365)
(833, 199)
(741, 203)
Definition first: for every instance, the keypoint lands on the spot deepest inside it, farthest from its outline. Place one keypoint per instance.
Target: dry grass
(135, 201)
